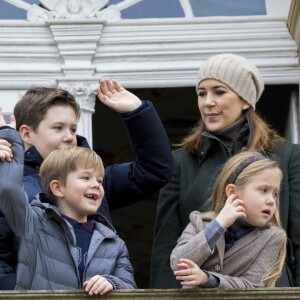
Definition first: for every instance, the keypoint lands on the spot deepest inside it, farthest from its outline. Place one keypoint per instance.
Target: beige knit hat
(238, 73)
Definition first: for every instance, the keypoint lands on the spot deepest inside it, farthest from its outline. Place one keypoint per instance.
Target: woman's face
(219, 106)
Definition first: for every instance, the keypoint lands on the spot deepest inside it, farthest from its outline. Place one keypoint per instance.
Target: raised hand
(113, 95)
(5, 146)
(97, 285)
(190, 273)
(12, 120)
(231, 211)
(5, 150)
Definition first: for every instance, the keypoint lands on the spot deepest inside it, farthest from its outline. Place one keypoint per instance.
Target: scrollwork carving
(84, 94)
(72, 9)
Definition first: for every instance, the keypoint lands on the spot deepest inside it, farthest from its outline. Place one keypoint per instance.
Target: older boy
(47, 120)
(64, 244)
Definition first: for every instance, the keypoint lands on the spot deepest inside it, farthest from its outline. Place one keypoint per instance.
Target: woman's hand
(190, 274)
(97, 285)
(113, 95)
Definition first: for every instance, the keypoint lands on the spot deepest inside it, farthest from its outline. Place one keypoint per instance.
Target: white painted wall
(278, 8)
(76, 53)
(8, 98)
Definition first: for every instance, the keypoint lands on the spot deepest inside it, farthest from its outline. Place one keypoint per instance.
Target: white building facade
(72, 44)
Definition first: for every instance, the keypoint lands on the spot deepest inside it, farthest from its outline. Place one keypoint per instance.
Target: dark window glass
(9, 11)
(204, 8)
(152, 9)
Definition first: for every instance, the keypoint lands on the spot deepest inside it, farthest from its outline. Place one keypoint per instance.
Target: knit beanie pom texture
(238, 73)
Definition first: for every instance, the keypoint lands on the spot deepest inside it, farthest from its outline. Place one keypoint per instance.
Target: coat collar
(102, 224)
(33, 159)
(210, 140)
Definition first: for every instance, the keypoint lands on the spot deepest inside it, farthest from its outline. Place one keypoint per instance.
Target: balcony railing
(142, 294)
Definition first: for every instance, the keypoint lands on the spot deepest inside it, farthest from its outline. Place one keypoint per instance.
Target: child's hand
(97, 285)
(231, 211)
(191, 274)
(12, 120)
(113, 95)
(5, 150)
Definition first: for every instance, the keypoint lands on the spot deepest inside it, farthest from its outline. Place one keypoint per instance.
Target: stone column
(85, 94)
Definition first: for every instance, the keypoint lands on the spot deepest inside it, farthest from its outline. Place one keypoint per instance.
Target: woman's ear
(56, 188)
(230, 189)
(246, 105)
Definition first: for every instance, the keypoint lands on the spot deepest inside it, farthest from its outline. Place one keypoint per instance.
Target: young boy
(47, 120)
(64, 244)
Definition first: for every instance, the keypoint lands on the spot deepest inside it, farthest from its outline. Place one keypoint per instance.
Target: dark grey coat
(191, 186)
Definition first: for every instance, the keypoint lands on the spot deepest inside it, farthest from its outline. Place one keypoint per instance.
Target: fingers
(186, 267)
(108, 87)
(231, 198)
(107, 90)
(234, 201)
(188, 262)
(12, 121)
(97, 285)
(5, 150)
(2, 121)
(231, 211)
(117, 85)
(104, 288)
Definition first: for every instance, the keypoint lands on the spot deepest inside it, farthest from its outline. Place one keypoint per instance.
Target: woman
(228, 87)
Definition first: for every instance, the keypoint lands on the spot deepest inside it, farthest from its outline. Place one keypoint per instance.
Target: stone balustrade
(142, 294)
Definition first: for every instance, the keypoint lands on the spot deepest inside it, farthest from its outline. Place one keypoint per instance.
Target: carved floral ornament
(83, 92)
(72, 9)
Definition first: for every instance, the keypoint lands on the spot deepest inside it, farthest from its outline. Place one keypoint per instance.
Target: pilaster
(293, 22)
(85, 95)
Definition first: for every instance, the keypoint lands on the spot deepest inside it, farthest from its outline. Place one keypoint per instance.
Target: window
(203, 8)
(9, 11)
(163, 8)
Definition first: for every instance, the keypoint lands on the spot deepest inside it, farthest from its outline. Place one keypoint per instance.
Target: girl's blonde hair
(234, 168)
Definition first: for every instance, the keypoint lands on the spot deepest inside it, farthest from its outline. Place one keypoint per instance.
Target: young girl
(240, 244)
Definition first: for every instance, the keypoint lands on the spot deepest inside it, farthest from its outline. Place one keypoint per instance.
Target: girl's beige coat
(243, 265)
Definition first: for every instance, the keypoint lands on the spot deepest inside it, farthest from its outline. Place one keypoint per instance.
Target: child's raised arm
(11, 171)
(5, 146)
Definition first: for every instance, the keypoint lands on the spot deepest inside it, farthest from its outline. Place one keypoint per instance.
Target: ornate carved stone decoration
(83, 92)
(72, 9)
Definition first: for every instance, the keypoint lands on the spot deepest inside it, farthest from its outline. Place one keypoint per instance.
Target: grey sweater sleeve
(212, 282)
(213, 231)
(13, 171)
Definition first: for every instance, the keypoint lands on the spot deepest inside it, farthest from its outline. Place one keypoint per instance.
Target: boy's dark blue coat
(124, 184)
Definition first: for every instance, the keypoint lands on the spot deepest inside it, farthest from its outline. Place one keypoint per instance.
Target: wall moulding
(293, 22)
(144, 53)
